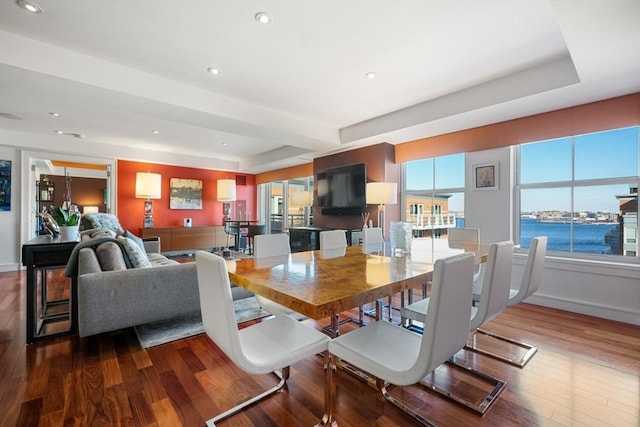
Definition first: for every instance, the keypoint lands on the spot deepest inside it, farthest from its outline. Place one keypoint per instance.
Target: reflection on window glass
(548, 161)
(600, 155)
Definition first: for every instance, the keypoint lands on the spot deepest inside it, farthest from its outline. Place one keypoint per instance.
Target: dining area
(420, 293)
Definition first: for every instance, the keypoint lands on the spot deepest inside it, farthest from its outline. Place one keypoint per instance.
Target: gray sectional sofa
(120, 285)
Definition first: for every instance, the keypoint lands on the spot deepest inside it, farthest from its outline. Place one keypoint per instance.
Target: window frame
(571, 184)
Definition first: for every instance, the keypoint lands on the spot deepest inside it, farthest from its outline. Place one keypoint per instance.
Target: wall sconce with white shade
(226, 194)
(148, 186)
(381, 194)
(304, 199)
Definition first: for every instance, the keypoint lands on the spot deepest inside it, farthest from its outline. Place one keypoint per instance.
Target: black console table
(39, 255)
(308, 238)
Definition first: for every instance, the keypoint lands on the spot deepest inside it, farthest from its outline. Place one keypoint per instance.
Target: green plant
(63, 217)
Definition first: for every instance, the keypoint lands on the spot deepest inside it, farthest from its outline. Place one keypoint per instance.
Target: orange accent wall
(299, 171)
(594, 117)
(131, 210)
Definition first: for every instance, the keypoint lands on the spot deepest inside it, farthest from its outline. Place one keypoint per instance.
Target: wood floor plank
(586, 373)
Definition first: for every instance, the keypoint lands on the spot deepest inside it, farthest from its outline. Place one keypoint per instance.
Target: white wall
(609, 290)
(10, 220)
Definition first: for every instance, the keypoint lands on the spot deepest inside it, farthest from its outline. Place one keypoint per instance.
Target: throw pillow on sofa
(136, 239)
(136, 255)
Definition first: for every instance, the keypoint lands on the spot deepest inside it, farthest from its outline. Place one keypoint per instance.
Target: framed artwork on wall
(185, 193)
(486, 176)
(5, 185)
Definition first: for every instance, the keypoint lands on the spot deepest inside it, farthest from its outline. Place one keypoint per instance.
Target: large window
(581, 192)
(434, 194)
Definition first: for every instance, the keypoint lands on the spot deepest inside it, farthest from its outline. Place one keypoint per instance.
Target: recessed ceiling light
(155, 131)
(263, 17)
(73, 134)
(213, 70)
(29, 7)
(370, 75)
(224, 143)
(54, 114)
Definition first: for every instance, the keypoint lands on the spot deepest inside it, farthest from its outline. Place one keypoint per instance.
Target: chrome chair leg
(520, 362)
(489, 399)
(284, 375)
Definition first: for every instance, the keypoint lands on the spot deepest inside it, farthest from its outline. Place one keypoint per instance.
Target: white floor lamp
(381, 194)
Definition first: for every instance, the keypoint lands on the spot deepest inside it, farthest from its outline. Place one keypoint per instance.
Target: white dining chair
(332, 242)
(493, 300)
(373, 241)
(399, 357)
(262, 348)
(270, 245)
(467, 239)
(529, 284)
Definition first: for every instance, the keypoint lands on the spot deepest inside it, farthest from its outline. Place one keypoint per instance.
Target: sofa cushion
(110, 257)
(158, 260)
(137, 256)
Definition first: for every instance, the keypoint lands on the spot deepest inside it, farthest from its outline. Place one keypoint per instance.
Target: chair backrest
(216, 306)
(231, 228)
(372, 240)
(496, 284)
(333, 239)
(532, 276)
(464, 238)
(266, 245)
(447, 323)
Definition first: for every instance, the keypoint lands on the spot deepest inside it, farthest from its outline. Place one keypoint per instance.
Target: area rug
(157, 333)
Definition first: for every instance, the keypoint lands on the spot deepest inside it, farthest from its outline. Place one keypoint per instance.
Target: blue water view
(587, 238)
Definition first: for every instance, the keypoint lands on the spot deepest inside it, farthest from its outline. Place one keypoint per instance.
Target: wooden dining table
(322, 284)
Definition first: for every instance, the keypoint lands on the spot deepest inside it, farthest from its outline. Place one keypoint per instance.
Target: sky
(610, 154)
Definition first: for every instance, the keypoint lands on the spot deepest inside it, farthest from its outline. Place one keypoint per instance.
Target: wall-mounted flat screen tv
(341, 190)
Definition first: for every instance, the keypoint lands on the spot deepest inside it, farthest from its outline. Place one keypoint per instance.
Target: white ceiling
(295, 89)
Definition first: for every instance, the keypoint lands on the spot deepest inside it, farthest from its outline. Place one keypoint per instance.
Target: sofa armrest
(151, 245)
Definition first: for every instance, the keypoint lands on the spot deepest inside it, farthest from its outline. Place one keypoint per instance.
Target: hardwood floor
(586, 373)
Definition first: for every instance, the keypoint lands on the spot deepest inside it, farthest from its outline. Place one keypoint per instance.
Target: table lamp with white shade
(226, 194)
(148, 186)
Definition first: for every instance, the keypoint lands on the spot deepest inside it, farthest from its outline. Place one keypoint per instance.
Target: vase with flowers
(68, 221)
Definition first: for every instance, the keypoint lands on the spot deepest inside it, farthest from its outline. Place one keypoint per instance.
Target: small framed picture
(486, 176)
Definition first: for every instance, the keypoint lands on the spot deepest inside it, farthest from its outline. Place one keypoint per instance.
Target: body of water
(587, 238)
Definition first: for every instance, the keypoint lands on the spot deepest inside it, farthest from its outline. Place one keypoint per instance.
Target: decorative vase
(68, 232)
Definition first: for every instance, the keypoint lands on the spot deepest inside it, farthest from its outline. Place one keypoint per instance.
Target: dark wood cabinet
(176, 238)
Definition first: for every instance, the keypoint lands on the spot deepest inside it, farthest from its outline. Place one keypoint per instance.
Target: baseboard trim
(597, 310)
(9, 267)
